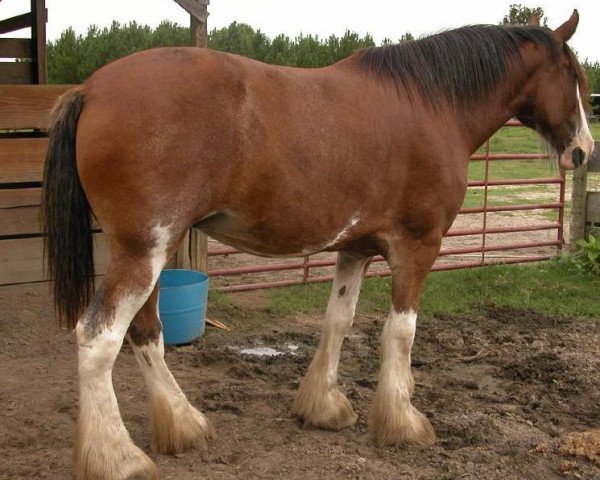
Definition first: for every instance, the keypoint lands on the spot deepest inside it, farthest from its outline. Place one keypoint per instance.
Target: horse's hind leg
(176, 425)
(318, 400)
(103, 448)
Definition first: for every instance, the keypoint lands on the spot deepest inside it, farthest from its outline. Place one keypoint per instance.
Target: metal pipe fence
(474, 234)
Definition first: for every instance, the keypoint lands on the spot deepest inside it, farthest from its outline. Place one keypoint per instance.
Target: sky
(380, 18)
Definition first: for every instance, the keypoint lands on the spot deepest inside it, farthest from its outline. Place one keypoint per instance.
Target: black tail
(66, 215)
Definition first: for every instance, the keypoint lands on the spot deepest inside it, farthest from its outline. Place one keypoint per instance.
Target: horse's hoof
(401, 427)
(177, 426)
(330, 410)
(122, 463)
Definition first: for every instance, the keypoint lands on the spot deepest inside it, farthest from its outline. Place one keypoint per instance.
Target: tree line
(72, 58)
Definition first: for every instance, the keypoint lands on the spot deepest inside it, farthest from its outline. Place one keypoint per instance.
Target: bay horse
(367, 156)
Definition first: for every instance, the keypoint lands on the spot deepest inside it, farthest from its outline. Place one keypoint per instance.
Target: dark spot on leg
(146, 326)
(99, 313)
(342, 290)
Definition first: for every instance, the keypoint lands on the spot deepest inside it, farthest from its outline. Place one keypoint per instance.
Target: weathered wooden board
(16, 73)
(22, 159)
(16, 23)
(28, 106)
(592, 214)
(20, 197)
(16, 48)
(21, 259)
(20, 221)
(24, 221)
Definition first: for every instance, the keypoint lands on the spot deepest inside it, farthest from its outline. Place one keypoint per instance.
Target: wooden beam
(16, 23)
(16, 73)
(38, 36)
(196, 8)
(16, 48)
(22, 159)
(28, 106)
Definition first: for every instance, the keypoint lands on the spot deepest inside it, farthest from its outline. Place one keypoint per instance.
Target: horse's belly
(258, 240)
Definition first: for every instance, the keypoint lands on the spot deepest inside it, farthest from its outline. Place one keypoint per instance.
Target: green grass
(549, 288)
(595, 129)
(520, 195)
(514, 140)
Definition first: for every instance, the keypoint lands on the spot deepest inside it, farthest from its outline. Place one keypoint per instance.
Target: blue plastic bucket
(182, 305)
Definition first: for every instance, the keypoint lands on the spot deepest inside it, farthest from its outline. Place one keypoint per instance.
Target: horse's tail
(66, 215)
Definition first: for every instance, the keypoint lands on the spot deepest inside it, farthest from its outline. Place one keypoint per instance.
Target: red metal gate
(475, 239)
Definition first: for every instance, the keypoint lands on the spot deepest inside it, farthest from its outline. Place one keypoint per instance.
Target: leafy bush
(587, 258)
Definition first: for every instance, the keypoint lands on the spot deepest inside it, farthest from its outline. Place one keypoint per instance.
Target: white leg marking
(396, 343)
(318, 401)
(104, 448)
(393, 419)
(176, 425)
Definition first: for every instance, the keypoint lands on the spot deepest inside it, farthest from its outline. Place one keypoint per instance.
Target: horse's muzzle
(578, 157)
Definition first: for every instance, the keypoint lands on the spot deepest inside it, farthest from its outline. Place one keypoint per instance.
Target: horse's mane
(461, 66)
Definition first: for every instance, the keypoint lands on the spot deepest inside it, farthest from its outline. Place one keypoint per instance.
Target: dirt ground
(504, 391)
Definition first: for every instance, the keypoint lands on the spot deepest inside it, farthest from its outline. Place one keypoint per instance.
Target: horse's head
(554, 104)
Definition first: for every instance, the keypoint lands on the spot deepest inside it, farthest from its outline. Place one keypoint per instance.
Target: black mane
(461, 66)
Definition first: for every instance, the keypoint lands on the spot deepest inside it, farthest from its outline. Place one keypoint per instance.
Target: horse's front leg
(393, 419)
(318, 401)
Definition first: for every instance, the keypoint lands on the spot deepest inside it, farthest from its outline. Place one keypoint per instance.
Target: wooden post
(579, 196)
(578, 201)
(38, 39)
(193, 252)
(198, 27)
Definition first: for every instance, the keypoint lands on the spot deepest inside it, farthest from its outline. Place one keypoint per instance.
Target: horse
(367, 156)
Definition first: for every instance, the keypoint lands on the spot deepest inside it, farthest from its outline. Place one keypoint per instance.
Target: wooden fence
(24, 112)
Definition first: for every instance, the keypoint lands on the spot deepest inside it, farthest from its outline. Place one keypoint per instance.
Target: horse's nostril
(578, 156)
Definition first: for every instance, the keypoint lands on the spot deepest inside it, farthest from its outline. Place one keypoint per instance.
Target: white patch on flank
(353, 221)
(162, 238)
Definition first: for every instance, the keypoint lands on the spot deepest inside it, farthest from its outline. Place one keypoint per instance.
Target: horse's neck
(504, 102)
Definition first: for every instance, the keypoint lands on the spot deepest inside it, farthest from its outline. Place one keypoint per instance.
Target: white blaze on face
(584, 139)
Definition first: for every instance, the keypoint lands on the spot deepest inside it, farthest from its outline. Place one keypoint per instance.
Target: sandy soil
(506, 391)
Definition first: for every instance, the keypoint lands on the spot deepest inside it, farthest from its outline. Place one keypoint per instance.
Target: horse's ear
(567, 29)
(534, 20)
